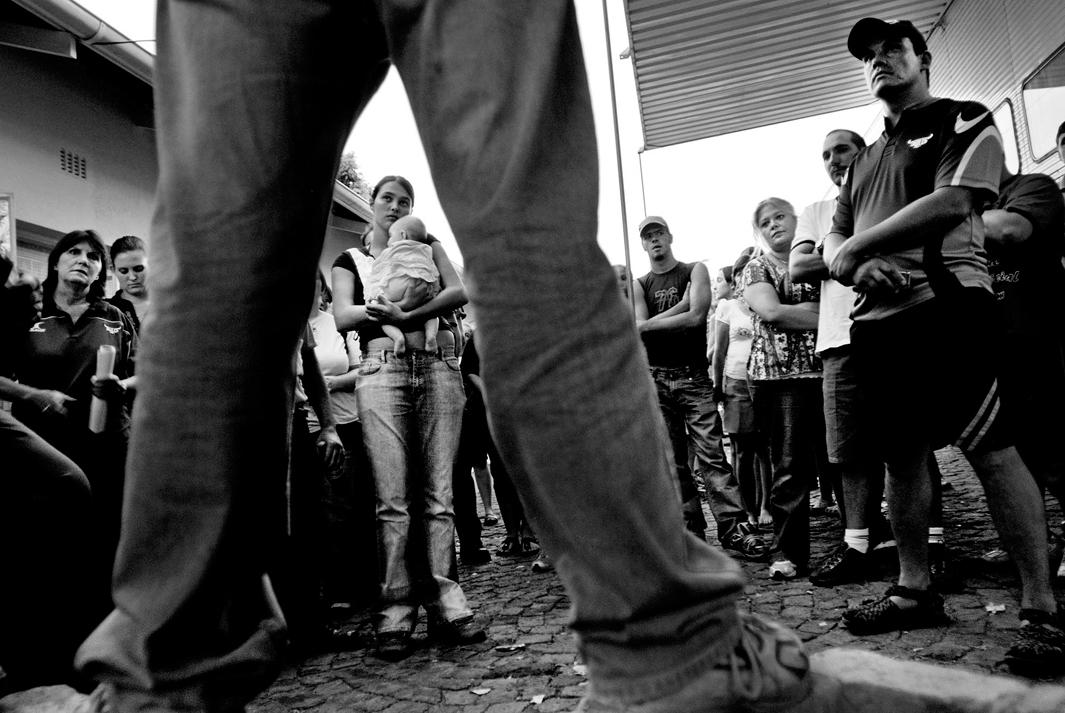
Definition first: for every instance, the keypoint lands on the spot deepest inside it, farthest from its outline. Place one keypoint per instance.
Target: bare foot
(431, 345)
(765, 519)
(399, 346)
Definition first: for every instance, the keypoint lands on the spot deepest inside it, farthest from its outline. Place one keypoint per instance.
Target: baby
(405, 274)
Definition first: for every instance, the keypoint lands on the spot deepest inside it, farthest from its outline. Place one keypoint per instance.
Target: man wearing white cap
(672, 301)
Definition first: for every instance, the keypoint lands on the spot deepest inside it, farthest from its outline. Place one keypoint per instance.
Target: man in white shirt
(862, 475)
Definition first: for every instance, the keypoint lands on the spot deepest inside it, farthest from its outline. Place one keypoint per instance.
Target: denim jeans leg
(781, 406)
(695, 396)
(384, 408)
(438, 399)
(684, 480)
(235, 81)
(500, 96)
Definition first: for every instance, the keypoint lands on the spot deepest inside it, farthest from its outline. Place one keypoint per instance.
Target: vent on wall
(72, 163)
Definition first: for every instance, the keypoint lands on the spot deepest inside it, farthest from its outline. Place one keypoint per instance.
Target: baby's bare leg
(432, 326)
(399, 342)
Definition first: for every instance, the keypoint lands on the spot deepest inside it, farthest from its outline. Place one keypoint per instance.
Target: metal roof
(711, 67)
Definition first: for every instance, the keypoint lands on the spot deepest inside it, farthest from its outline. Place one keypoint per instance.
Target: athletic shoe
(996, 556)
(474, 557)
(766, 671)
(748, 547)
(876, 616)
(783, 570)
(393, 645)
(461, 632)
(1039, 649)
(843, 566)
(542, 564)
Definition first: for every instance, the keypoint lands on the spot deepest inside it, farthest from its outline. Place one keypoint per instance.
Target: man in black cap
(908, 234)
(672, 301)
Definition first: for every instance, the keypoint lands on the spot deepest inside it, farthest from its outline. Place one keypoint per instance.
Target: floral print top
(778, 353)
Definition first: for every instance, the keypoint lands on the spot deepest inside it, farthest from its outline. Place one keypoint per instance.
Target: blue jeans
(686, 399)
(411, 413)
(500, 95)
(790, 414)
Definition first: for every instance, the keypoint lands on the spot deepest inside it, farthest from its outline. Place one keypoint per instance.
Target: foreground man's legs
(500, 97)
(254, 101)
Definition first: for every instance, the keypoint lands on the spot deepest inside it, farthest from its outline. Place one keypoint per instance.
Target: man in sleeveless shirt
(672, 301)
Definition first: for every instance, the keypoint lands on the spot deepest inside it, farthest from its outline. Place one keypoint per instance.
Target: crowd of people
(847, 344)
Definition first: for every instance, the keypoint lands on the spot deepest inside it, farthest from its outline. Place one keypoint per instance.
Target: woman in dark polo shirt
(57, 360)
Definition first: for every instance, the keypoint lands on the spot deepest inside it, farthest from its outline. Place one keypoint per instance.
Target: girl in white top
(733, 333)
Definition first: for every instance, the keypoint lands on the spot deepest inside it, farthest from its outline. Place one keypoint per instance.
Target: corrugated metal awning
(706, 68)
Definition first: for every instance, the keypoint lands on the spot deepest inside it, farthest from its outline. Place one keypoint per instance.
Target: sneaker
(393, 645)
(542, 563)
(996, 556)
(1039, 649)
(783, 570)
(944, 577)
(474, 557)
(843, 566)
(749, 547)
(766, 671)
(876, 616)
(461, 632)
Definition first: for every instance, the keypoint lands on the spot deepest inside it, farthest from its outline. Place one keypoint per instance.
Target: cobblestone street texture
(530, 661)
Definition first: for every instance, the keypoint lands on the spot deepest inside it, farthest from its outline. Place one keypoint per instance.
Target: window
(1044, 103)
(1003, 116)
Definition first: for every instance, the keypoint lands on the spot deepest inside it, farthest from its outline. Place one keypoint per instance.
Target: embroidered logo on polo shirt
(39, 327)
(112, 330)
(961, 125)
(919, 142)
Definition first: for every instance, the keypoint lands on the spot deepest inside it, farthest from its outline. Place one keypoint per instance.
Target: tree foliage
(350, 175)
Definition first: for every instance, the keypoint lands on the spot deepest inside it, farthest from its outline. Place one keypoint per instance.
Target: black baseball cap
(873, 29)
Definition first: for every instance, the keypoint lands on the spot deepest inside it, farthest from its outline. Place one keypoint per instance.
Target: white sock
(935, 536)
(857, 539)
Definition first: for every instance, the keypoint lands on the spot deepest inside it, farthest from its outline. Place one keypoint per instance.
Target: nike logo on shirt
(961, 125)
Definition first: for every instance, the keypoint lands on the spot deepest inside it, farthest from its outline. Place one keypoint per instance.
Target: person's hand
(330, 449)
(109, 388)
(877, 275)
(50, 402)
(330, 383)
(639, 325)
(382, 310)
(845, 262)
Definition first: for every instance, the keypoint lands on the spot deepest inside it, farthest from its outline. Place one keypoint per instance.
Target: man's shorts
(929, 375)
(845, 433)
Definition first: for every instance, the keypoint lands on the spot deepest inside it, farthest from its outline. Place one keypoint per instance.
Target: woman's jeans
(411, 413)
(254, 102)
(790, 414)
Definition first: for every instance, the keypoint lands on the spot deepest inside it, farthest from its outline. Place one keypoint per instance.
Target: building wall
(88, 108)
(985, 49)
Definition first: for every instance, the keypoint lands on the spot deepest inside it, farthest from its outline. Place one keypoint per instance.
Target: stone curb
(849, 680)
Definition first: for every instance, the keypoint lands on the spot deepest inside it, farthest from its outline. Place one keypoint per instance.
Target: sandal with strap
(877, 616)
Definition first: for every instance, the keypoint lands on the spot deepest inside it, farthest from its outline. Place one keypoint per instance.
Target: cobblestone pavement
(530, 662)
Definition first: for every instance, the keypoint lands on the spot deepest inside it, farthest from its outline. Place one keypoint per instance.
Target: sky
(706, 190)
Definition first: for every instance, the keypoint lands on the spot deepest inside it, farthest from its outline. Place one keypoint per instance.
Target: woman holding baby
(410, 401)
